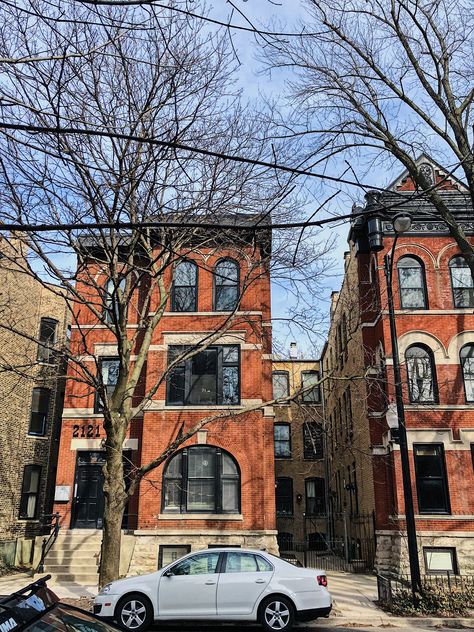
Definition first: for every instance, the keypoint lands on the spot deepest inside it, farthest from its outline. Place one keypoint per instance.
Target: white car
(220, 585)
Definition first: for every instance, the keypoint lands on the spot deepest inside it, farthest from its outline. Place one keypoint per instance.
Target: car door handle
(260, 581)
(210, 582)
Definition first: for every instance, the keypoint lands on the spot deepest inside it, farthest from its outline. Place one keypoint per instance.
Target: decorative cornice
(430, 226)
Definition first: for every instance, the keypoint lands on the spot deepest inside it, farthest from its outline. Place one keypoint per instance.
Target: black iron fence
(332, 555)
(341, 541)
(390, 587)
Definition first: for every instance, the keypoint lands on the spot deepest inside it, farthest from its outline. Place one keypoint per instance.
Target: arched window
(411, 282)
(467, 363)
(111, 300)
(184, 291)
(226, 285)
(421, 375)
(461, 282)
(201, 479)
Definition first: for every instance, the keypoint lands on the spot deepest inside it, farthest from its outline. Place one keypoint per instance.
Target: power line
(41, 228)
(35, 129)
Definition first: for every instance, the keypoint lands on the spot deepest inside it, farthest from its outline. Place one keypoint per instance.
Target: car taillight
(322, 580)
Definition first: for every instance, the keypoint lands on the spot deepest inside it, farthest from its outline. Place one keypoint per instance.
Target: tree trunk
(115, 501)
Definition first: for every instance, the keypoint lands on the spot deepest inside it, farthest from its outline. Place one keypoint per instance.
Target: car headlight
(106, 589)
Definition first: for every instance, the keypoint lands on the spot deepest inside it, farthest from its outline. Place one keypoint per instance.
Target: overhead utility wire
(41, 228)
(228, 25)
(34, 129)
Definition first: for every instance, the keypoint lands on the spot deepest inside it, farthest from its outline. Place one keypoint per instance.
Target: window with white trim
(467, 364)
(421, 375)
(461, 282)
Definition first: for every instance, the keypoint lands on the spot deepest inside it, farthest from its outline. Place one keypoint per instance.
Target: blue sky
(286, 16)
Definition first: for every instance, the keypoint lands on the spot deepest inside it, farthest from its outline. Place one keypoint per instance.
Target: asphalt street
(302, 627)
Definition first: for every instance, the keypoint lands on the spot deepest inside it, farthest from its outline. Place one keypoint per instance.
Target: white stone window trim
(200, 516)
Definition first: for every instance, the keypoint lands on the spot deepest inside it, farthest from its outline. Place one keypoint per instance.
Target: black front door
(88, 491)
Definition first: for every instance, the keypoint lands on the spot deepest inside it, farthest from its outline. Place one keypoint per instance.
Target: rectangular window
(284, 497)
(29, 492)
(348, 413)
(282, 438)
(440, 560)
(309, 378)
(109, 369)
(169, 553)
(281, 384)
(313, 441)
(315, 496)
(210, 377)
(431, 480)
(47, 336)
(39, 411)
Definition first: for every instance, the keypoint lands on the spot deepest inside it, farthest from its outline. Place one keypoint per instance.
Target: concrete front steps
(74, 558)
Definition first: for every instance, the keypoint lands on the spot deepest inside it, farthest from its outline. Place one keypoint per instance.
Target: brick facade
(304, 524)
(248, 438)
(24, 302)
(440, 421)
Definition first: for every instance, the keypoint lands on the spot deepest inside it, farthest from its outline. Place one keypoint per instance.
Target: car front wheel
(134, 613)
(277, 614)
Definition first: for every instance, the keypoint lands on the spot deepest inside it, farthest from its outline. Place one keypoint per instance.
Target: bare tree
(385, 80)
(152, 74)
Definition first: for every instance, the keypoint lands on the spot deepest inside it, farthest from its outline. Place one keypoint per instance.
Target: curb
(396, 622)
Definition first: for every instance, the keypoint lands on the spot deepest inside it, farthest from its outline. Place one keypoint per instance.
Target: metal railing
(389, 587)
(51, 523)
(332, 555)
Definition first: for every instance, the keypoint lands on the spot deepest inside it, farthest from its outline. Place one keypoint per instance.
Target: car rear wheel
(134, 613)
(277, 614)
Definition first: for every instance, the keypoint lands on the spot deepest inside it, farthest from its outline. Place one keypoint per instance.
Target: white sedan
(218, 584)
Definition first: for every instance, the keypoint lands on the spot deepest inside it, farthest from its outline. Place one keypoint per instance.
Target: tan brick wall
(297, 467)
(347, 395)
(23, 302)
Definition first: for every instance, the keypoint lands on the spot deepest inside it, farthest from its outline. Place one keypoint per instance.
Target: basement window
(169, 553)
(440, 560)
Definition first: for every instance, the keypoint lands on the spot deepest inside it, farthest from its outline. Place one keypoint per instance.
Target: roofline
(422, 156)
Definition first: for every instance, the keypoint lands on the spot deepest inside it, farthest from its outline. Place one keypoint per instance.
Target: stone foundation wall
(144, 558)
(392, 550)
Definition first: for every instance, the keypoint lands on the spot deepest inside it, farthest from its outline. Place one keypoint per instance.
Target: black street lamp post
(402, 223)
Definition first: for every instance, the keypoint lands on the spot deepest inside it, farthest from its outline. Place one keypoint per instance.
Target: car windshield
(69, 620)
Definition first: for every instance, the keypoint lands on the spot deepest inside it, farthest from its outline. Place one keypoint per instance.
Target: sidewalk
(353, 605)
(10, 583)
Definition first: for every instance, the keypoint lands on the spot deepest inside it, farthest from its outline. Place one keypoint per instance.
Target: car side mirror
(168, 574)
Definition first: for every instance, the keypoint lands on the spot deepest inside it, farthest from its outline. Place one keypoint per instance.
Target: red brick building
(219, 488)
(434, 308)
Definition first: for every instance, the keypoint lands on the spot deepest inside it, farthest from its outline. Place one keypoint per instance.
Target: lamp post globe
(402, 223)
